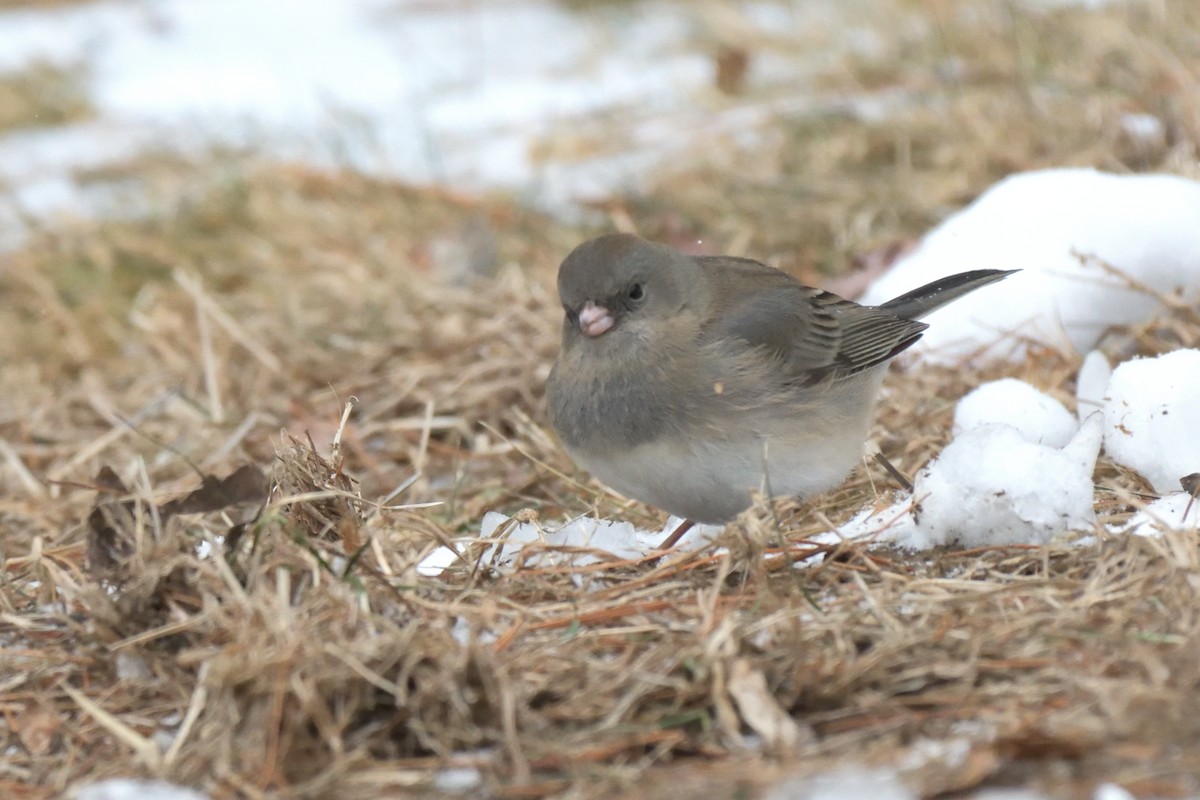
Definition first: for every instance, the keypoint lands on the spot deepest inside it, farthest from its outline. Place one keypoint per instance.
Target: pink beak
(594, 320)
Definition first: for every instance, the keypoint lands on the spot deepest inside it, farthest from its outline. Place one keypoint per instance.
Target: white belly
(713, 481)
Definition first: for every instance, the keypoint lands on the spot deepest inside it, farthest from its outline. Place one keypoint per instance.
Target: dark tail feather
(932, 296)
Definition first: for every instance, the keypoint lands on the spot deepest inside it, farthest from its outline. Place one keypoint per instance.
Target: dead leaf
(36, 728)
(110, 523)
(245, 485)
(759, 709)
(106, 546)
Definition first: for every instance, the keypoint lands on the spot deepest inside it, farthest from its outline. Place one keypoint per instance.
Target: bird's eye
(635, 292)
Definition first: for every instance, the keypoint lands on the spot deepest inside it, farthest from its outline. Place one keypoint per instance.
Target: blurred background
(224, 223)
(809, 132)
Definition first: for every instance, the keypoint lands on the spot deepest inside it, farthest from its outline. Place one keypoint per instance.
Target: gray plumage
(689, 382)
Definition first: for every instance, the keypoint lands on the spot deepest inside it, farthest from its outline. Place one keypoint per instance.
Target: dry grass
(973, 91)
(303, 656)
(41, 96)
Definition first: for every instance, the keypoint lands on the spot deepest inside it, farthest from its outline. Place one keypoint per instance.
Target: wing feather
(813, 334)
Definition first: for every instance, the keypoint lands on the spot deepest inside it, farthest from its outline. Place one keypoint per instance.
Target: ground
(270, 635)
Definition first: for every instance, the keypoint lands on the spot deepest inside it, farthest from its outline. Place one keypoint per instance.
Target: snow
(1145, 130)
(458, 780)
(843, 783)
(1150, 417)
(949, 753)
(1111, 791)
(1091, 383)
(428, 92)
(438, 561)
(133, 668)
(1009, 478)
(894, 522)
(1178, 511)
(1038, 417)
(578, 542)
(131, 789)
(878, 783)
(992, 486)
(1074, 234)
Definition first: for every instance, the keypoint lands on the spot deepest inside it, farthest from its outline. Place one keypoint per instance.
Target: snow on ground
(1091, 384)
(1178, 511)
(880, 783)
(1075, 234)
(428, 92)
(132, 789)
(1150, 416)
(992, 486)
(1008, 478)
(1035, 415)
(840, 784)
(1004, 479)
(580, 541)
(884, 784)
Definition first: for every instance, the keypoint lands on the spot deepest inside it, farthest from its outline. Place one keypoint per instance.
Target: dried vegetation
(209, 570)
(42, 95)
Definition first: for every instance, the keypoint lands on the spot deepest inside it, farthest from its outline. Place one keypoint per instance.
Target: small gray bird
(689, 382)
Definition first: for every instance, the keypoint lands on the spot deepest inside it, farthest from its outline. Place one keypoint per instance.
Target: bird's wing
(814, 335)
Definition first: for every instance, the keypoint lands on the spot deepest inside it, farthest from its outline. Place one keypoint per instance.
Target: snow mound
(1067, 230)
(1150, 421)
(991, 486)
(1037, 416)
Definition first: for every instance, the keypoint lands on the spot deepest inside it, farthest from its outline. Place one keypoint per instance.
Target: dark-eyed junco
(689, 382)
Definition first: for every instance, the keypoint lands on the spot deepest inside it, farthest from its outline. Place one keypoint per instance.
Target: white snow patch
(579, 542)
(991, 486)
(842, 784)
(1145, 130)
(431, 92)
(129, 789)
(1008, 793)
(132, 667)
(1037, 416)
(466, 630)
(438, 561)
(1111, 791)
(1150, 417)
(1061, 227)
(1164, 514)
(1091, 384)
(948, 752)
(893, 523)
(457, 780)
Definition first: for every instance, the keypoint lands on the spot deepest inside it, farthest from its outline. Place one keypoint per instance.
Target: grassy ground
(42, 95)
(303, 656)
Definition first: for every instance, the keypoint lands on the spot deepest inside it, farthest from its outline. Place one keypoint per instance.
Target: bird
(692, 382)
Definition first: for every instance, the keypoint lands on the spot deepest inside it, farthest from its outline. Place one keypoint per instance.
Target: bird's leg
(676, 535)
(896, 474)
